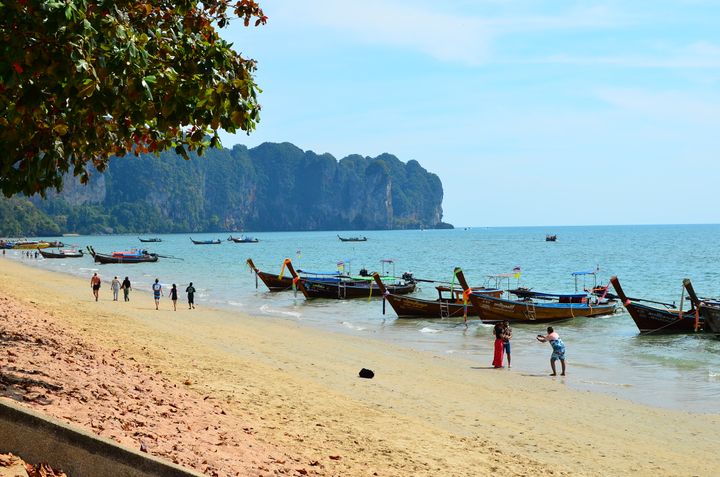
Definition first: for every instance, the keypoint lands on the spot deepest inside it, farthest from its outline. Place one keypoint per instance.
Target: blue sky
(530, 112)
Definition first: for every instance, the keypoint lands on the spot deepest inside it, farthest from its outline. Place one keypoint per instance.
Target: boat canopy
(585, 272)
(307, 272)
(548, 295)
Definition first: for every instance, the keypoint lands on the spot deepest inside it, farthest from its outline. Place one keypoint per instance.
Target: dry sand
(230, 394)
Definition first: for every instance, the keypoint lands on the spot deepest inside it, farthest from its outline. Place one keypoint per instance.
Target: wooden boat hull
(104, 259)
(411, 307)
(206, 242)
(650, 319)
(48, 254)
(275, 283)
(710, 314)
(492, 310)
(343, 291)
(31, 246)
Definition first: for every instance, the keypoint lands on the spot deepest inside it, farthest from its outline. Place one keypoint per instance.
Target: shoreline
(422, 414)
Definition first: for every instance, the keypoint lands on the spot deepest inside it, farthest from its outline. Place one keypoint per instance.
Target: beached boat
(347, 288)
(153, 239)
(708, 308)
(650, 319)
(205, 242)
(131, 256)
(352, 239)
(551, 238)
(31, 245)
(61, 253)
(449, 304)
(280, 282)
(552, 307)
(243, 239)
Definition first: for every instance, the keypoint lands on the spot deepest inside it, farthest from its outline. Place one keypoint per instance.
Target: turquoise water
(604, 354)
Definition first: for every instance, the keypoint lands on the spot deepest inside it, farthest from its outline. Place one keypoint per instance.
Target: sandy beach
(230, 394)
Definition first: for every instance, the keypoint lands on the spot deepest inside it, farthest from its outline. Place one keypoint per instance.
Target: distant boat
(243, 239)
(352, 239)
(206, 242)
(61, 253)
(551, 238)
(154, 239)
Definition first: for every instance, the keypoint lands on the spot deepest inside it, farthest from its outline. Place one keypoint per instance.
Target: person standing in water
(558, 348)
(190, 290)
(115, 286)
(95, 285)
(157, 292)
(126, 287)
(173, 296)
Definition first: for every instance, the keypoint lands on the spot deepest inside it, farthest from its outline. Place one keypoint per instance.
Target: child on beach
(115, 286)
(157, 292)
(173, 296)
(558, 348)
(95, 285)
(190, 290)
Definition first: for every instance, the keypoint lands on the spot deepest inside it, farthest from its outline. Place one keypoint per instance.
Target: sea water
(604, 354)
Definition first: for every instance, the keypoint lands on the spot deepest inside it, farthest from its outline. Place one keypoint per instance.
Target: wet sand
(230, 394)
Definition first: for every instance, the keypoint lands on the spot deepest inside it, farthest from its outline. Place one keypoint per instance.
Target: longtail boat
(205, 242)
(708, 309)
(61, 253)
(132, 256)
(347, 288)
(150, 240)
(31, 245)
(650, 319)
(352, 239)
(243, 239)
(450, 303)
(551, 238)
(279, 282)
(492, 310)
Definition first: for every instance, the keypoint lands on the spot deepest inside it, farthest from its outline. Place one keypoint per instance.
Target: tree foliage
(84, 80)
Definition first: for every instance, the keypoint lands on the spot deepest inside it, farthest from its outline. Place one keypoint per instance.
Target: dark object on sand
(366, 373)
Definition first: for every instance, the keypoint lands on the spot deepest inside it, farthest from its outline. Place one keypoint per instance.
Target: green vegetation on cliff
(269, 187)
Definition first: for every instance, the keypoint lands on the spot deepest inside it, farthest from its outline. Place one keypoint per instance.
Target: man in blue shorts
(506, 337)
(157, 292)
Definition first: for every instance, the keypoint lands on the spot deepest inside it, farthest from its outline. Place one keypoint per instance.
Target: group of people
(503, 335)
(157, 289)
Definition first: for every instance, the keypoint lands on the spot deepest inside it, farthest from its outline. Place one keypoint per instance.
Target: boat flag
(516, 271)
(298, 254)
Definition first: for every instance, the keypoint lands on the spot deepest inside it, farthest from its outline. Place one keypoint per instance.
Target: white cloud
(679, 106)
(447, 35)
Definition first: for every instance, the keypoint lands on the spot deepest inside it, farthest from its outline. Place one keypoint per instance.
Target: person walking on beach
(558, 348)
(498, 354)
(126, 287)
(115, 285)
(157, 292)
(190, 290)
(507, 336)
(173, 296)
(95, 285)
